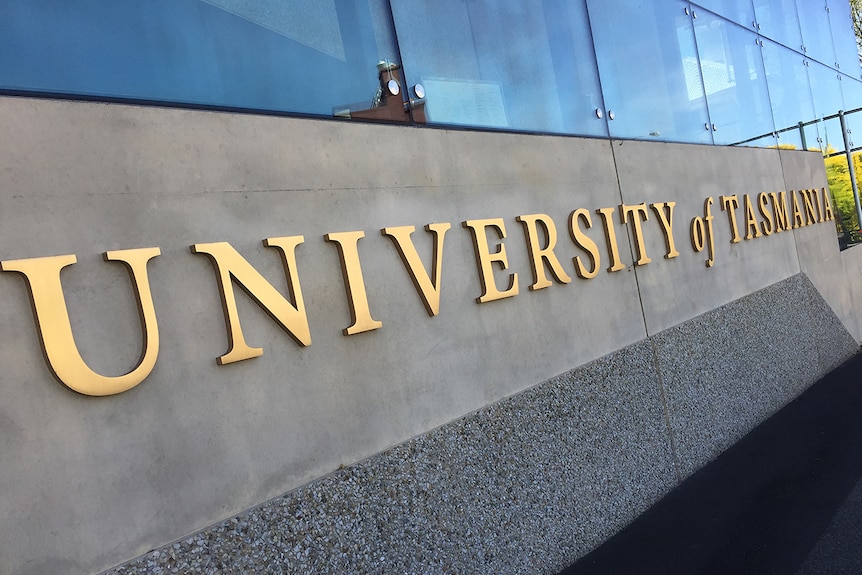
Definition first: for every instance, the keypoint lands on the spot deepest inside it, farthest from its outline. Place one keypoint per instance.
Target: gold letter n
(231, 266)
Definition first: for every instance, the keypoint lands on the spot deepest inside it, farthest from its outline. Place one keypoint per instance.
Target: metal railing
(847, 151)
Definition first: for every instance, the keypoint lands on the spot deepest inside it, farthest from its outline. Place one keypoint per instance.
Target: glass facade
(743, 72)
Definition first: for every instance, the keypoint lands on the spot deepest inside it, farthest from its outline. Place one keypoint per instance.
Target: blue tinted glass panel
(734, 80)
(649, 72)
(779, 21)
(852, 92)
(828, 100)
(789, 94)
(826, 89)
(851, 89)
(740, 11)
(499, 64)
(814, 21)
(832, 140)
(312, 56)
(843, 38)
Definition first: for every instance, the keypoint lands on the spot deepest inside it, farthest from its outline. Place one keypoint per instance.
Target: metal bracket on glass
(611, 115)
(416, 101)
(599, 113)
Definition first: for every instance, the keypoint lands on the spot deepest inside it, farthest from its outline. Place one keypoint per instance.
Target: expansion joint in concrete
(673, 450)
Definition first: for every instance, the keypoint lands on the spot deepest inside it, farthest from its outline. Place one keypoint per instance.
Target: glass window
(852, 91)
(648, 69)
(734, 80)
(816, 40)
(844, 38)
(828, 100)
(739, 11)
(308, 56)
(778, 20)
(525, 65)
(790, 95)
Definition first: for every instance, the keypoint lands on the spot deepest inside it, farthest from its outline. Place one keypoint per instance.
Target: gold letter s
(52, 320)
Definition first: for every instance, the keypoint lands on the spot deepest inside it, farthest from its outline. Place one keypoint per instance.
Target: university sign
(748, 217)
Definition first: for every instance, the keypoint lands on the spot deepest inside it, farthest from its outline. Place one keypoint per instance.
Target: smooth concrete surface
(196, 442)
(818, 258)
(851, 263)
(675, 290)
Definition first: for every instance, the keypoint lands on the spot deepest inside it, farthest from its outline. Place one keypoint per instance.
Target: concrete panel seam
(670, 437)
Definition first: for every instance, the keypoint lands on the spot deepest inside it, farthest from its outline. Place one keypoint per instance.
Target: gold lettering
(485, 259)
(231, 267)
(55, 330)
(666, 221)
(636, 213)
(539, 257)
(827, 205)
(779, 209)
(585, 243)
(810, 214)
(763, 206)
(427, 287)
(816, 200)
(729, 205)
(354, 283)
(702, 232)
(750, 220)
(607, 215)
(798, 222)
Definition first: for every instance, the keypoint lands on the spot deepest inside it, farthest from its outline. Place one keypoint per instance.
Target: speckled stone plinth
(522, 486)
(531, 483)
(727, 370)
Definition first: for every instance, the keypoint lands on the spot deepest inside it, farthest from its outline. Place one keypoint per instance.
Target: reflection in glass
(778, 20)
(844, 39)
(828, 100)
(852, 92)
(494, 63)
(308, 56)
(814, 21)
(649, 71)
(734, 80)
(789, 95)
(739, 11)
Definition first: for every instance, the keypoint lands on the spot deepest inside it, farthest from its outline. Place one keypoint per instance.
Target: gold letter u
(52, 320)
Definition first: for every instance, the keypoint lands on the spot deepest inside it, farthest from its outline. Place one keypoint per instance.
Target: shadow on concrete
(787, 498)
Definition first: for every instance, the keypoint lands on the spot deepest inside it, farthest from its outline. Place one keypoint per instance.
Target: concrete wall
(91, 482)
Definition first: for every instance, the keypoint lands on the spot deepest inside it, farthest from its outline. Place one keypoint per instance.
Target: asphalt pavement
(786, 499)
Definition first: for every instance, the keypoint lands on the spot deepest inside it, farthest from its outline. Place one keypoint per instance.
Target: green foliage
(838, 176)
